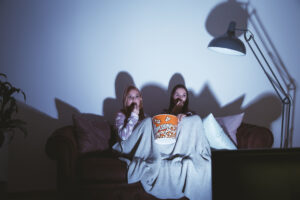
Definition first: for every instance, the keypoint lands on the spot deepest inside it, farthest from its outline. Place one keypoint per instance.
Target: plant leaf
(8, 107)
(4, 75)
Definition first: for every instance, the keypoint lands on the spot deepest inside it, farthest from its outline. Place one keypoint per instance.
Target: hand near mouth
(177, 109)
(135, 108)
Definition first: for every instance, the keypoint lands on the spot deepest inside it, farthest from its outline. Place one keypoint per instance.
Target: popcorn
(156, 121)
(167, 119)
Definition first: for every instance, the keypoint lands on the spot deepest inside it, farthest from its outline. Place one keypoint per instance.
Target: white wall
(72, 55)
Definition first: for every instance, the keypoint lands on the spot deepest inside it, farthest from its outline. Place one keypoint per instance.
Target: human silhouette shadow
(156, 99)
(206, 103)
(176, 79)
(261, 111)
(112, 105)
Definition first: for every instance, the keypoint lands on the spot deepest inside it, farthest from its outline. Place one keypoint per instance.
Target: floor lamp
(230, 44)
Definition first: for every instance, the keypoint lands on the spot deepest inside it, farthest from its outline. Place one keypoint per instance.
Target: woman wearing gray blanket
(170, 170)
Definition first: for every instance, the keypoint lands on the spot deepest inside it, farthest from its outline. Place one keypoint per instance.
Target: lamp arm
(281, 93)
(274, 80)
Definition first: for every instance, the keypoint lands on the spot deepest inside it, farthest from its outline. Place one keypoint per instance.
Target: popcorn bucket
(165, 127)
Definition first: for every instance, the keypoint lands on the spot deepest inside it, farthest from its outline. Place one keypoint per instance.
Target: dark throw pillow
(92, 131)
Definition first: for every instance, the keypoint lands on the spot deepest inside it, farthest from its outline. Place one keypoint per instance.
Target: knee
(147, 120)
(192, 119)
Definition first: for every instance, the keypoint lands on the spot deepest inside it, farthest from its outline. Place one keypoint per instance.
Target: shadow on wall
(112, 105)
(29, 168)
(221, 15)
(262, 111)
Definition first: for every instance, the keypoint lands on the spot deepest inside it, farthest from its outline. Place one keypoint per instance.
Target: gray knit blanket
(173, 170)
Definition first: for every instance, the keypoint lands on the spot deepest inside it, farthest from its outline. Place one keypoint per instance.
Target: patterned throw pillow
(92, 131)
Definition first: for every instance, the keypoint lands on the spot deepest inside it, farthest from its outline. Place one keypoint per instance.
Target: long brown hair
(185, 107)
(126, 110)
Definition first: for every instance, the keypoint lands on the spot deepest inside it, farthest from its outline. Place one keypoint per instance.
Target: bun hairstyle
(173, 102)
(128, 109)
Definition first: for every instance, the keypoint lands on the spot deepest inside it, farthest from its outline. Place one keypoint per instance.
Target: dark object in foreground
(256, 174)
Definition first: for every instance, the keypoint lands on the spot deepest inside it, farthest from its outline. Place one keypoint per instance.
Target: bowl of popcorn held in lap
(165, 128)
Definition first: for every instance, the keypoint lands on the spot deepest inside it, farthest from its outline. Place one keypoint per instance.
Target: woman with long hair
(131, 114)
(179, 102)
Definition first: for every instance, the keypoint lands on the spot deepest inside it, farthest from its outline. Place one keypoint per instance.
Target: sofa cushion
(92, 132)
(251, 136)
(103, 170)
(230, 124)
(216, 136)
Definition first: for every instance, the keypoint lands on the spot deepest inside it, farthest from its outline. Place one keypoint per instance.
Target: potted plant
(8, 107)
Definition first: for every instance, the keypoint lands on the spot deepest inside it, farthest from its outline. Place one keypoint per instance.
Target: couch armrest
(62, 147)
(251, 136)
(62, 140)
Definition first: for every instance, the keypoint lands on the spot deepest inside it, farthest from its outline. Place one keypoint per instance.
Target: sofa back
(91, 133)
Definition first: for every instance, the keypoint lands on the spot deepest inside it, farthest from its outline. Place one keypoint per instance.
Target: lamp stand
(281, 93)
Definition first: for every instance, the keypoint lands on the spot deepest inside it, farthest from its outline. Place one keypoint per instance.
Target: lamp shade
(228, 43)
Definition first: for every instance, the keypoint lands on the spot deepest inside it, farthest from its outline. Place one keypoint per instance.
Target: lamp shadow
(245, 14)
(222, 14)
